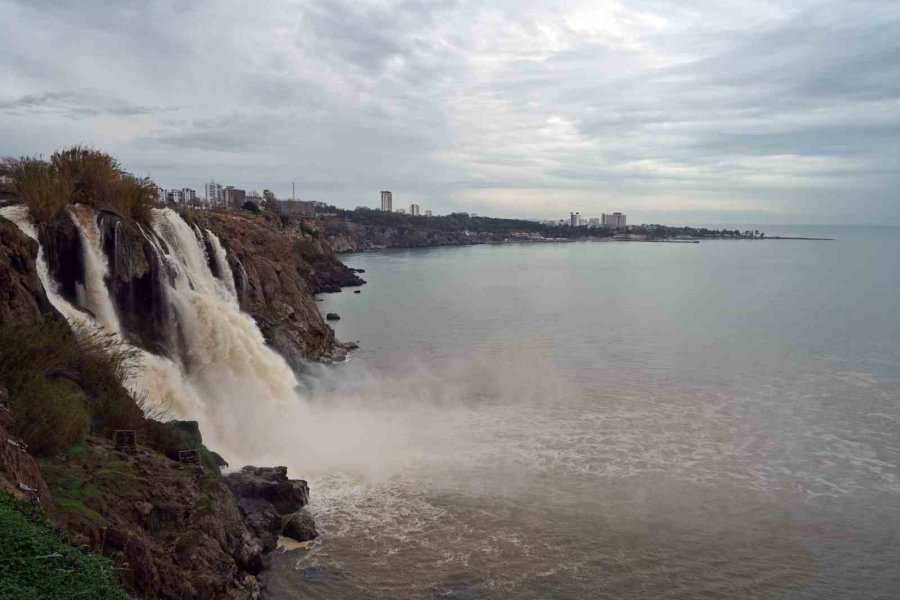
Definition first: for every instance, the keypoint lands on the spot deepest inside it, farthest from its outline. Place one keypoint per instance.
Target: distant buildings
(387, 201)
(593, 222)
(614, 221)
(575, 219)
(296, 208)
(400, 211)
(233, 197)
(414, 210)
(427, 213)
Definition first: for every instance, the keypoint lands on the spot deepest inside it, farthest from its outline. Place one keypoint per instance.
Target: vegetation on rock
(78, 175)
(36, 564)
(63, 383)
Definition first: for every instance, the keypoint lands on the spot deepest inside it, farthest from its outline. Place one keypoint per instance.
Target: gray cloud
(730, 109)
(71, 105)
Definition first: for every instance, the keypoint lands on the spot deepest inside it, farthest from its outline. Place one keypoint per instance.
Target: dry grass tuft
(79, 175)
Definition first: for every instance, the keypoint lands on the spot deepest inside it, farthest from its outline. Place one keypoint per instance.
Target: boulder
(270, 484)
(262, 520)
(333, 317)
(300, 526)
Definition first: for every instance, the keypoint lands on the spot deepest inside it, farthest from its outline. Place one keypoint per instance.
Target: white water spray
(94, 295)
(221, 259)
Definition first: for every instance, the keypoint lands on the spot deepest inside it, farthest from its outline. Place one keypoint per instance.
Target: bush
(38, 185)
(63, 383)
(79, 175)
(36, 564)
(101, 182)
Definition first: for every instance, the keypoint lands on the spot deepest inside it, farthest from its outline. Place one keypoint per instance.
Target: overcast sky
(696, 111)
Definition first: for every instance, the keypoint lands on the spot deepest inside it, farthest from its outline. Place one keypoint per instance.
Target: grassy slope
(35, 563)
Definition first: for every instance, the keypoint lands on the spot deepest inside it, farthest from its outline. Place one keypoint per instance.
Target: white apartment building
(214, 194)
(414, 210)
(387, 201)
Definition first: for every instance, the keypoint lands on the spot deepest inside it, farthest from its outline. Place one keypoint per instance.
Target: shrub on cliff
(36, 564)
(62, 384)
(39, 185)
(79, 175)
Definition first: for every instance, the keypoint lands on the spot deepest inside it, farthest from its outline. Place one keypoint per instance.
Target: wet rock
(22, 296)
(265, 496)
(262, 520)
(61, 242)
(332, 317)
(300, 526)
(356, 292)
(270, 484)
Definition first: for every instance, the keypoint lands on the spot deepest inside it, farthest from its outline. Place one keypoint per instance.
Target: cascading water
(224, 371)
(225, 355)
(93, 295)
(221, 259)
(156, 378)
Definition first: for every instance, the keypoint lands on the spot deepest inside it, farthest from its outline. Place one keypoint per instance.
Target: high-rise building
(233, 197)
(414, 210)
(615, 221)
(214, 194)
(189, 196)
(387, 201)
(575, 219)
(427, 213)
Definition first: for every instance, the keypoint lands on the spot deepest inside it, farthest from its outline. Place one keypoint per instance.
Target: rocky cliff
(277, 270)
(22, 296)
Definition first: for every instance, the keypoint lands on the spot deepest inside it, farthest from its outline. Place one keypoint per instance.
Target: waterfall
(19, 215)
(156, 378)
(225, 354)
(223, 373)
(222, 262)
(93, 295)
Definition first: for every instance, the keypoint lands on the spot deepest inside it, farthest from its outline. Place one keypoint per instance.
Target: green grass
(36, 564)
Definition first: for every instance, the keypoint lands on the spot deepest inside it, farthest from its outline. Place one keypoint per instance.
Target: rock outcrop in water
(272, 504)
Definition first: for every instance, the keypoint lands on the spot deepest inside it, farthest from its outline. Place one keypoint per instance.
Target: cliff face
(136, 276)
(22, 296)
(317, 262)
